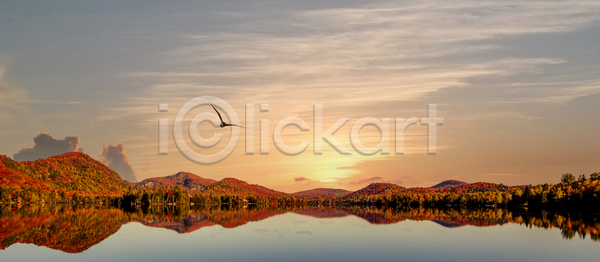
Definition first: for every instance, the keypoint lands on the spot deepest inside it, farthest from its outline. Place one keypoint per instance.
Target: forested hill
(379, 189)
(322, 192)
(448, 183)
(236, 187)
(475, 187)
(76, 177)
(188, 181)
(68, 174)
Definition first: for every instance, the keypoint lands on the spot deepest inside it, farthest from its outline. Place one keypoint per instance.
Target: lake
(350, 233)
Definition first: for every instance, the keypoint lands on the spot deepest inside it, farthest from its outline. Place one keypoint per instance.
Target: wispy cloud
(366, 181)
(304, 180)
(301, 179)
(554, 92)
(355, 58)
(360, 181)
(362, 55)
(11, 98)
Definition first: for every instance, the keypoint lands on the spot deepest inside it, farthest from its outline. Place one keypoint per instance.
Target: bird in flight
(223, 124)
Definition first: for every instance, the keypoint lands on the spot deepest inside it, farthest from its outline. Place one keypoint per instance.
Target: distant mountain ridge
(322, 192)
(191, 182)
(76, 172)
(476, 187)
(448, 183)
(377, 189)
(232, 186)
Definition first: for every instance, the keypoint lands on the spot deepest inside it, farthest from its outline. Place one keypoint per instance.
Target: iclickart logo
(223, 117)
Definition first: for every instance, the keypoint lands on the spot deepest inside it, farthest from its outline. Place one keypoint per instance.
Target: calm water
(210, 233)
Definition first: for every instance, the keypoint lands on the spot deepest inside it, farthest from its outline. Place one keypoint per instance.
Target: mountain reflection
(74, 229)
(64, 228)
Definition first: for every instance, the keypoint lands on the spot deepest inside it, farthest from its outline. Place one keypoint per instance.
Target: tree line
(571, 193)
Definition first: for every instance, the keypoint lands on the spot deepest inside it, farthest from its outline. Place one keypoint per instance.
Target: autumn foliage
(68, 177)
(322, 192)
(236, 187)
(188, 181)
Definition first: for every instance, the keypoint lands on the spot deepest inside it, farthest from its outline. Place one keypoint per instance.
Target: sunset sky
(517, 83)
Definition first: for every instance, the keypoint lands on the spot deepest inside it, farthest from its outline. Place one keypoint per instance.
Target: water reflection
(66, 228)
(74, 229)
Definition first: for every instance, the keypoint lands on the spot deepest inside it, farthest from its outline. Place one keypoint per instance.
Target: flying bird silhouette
(223, 124)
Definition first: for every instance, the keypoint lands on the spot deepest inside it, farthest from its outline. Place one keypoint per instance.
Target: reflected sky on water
(314, 235)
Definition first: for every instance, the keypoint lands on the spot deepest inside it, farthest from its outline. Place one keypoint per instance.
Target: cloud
(305, 180)
(3, 85)
(11, 98)
(555, 91)
(301, 179)
(47, 146)
(354, 58)
(361, 55)
(366, 181)
(3, 66)
(116, 158)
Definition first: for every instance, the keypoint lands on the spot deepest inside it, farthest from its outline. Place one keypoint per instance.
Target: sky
(516, 82)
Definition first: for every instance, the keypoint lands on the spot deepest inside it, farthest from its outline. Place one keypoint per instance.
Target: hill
(380, 189)
(236, 187)
(188, 181)
(448, 183)
(475, 187)
(375, 189)
(322, 192)
(68, 174)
